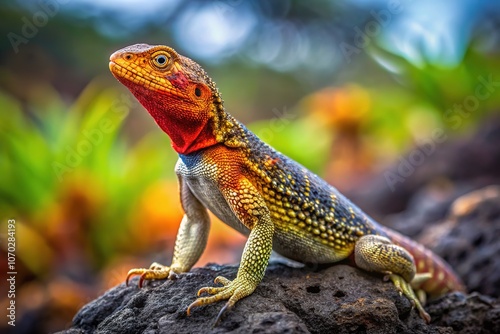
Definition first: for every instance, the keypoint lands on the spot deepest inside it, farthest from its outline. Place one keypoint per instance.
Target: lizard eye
(161, 61)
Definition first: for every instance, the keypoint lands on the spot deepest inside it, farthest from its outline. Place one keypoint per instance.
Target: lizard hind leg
(376, 253)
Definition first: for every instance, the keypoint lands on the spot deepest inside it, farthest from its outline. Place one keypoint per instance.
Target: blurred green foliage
(71, 160)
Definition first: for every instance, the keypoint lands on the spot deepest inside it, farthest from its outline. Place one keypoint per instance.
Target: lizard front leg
(189, 244)
(378, 254)
(250, 208)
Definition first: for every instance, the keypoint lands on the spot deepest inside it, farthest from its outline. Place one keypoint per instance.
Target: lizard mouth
(121, 72)
(125, 74)
(129, 71)
(130, 75)
(130, 78)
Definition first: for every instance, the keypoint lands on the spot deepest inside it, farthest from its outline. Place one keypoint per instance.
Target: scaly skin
(279, 204)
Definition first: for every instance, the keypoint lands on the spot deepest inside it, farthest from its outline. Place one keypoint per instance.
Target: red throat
(188, 131)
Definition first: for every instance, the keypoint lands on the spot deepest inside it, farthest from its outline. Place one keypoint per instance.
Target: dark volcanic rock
(470, 242)
(474, 313)
(338, 299)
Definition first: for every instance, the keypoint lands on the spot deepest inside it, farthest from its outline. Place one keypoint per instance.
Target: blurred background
(369, 94)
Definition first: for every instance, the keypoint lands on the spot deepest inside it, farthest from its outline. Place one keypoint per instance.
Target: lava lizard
(275, 201)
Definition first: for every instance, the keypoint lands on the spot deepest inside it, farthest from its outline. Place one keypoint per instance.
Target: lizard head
(175, 90)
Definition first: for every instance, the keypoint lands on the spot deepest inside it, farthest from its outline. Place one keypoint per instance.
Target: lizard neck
(190, 134)
(228, 130)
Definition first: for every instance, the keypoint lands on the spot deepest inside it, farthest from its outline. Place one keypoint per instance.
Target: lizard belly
(209, 194)
(294, 245)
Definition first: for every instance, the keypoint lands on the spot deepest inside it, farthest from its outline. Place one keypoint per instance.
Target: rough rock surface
(337, 299)
(470, 242)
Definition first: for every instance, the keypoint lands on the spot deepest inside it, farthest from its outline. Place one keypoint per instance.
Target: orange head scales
(176, 91)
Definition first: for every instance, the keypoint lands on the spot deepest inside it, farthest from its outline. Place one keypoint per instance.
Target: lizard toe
(232, 290)
(223, 294)
(160, 272)
(405, 288)
(222, 280)
(210, 290)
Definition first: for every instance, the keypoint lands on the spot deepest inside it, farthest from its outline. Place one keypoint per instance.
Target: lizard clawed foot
(155, 271)
(405, 288)
(417, 282)
(232, 290)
